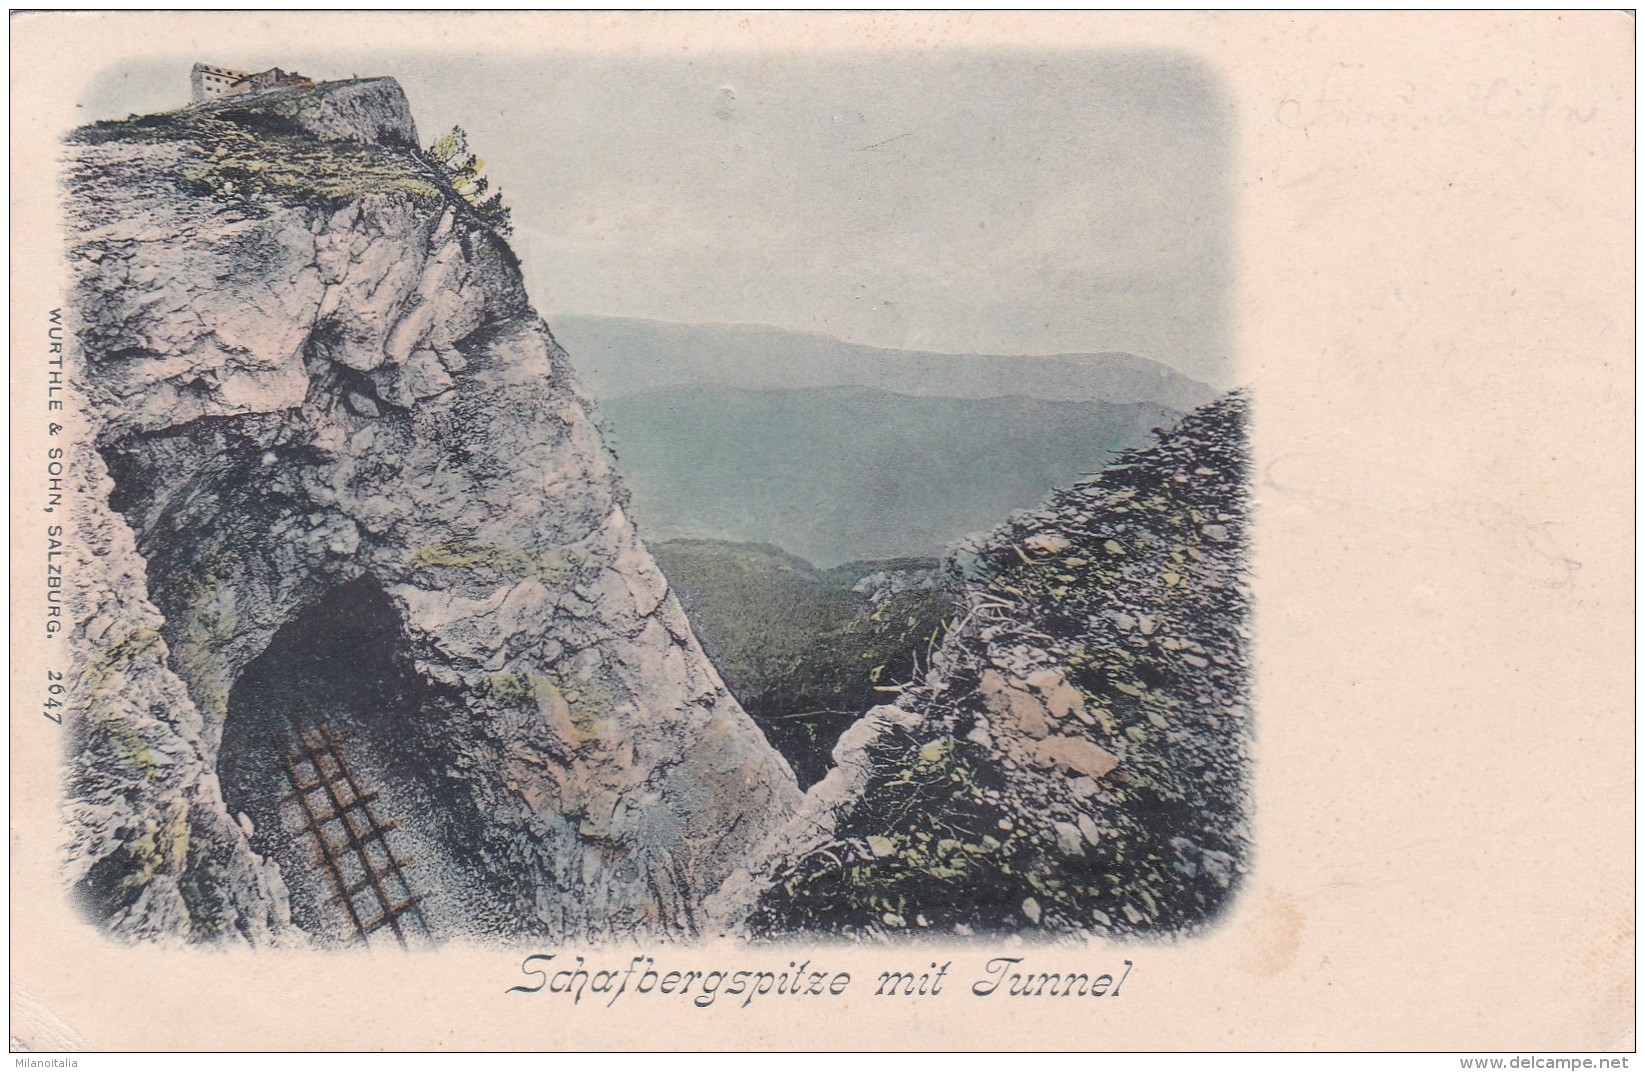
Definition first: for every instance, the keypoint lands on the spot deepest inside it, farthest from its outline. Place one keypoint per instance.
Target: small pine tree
(464, 179)
(446, 146)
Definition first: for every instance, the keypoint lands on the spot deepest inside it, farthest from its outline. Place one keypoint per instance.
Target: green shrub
(457, 171)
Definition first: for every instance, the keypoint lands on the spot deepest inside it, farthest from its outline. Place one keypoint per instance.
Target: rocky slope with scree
(1075, 759)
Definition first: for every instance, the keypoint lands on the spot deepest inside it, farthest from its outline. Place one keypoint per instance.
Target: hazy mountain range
(841, 473)
(839, 451)
(617, 357)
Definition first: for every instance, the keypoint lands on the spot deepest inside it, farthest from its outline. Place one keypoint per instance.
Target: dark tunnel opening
(335, 759)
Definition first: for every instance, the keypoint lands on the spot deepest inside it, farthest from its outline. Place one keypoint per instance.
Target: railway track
(368, 880)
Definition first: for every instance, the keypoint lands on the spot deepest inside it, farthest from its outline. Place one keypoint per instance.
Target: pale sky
(969, 201)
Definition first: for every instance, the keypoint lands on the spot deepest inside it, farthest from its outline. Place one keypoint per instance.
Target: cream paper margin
(1433, 306)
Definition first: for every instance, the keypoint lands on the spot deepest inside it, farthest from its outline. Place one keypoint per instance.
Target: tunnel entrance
(368, 880)
(334, 761)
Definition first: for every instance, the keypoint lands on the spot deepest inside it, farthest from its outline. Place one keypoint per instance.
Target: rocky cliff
(1074, 759)
(338, 470)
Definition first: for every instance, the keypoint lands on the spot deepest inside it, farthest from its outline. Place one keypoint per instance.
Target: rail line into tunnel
(345, 771)
(368, 879)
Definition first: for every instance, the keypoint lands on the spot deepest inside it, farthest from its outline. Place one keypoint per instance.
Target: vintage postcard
(859, 530)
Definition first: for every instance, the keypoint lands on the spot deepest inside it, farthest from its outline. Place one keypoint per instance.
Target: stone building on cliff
(209, 83)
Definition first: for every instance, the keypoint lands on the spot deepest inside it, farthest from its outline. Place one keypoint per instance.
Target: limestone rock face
(301, 399)
(371, 110)
(1075, 761)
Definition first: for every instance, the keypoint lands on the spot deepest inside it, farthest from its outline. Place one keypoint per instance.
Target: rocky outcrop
(321, 395)
(154, 852)
(371, 111)
(1075, 760)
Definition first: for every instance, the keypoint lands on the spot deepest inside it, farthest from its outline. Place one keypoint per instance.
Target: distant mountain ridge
(845, 473)
(617, 357)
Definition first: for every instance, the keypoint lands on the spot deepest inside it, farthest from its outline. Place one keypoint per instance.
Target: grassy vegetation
(202, 624)
(582, 709)
(498, 564)
(104, 672)
(251, 154)
(249, 157)
(804, 653)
